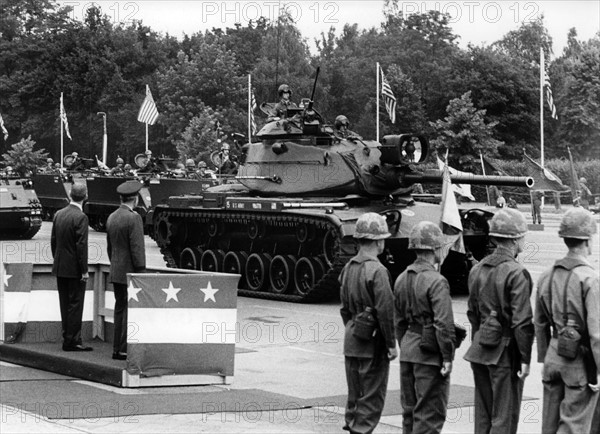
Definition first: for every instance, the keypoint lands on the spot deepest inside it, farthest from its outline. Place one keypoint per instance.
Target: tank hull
(20, 210)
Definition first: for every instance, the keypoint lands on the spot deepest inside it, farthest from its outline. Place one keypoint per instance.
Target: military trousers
(367, 386)
(424, 398)
(569, 404)
(498, 393)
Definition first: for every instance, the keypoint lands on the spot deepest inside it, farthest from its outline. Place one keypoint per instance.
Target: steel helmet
(50, 160)
(508, 223)
(425, 236)
(120, 160)
(583, 180)
(202, 165)
(127, 166)
(577, 223)
(225, 147)
(75, 154)
(341, 120)
(190, 163)
(284, 88)
(148, 152)
(371, 226)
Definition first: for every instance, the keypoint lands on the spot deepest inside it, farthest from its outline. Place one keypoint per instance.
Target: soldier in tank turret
(201, 173)
(128, 170)
(48, 168)
(77, 163)
(190, 169)
(228, 164)
(118, 170)
(151, 164)
(284, 103)
(342, 125)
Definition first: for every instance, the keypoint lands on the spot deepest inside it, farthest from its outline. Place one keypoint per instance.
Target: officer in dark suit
(69, 244)
(126, 251)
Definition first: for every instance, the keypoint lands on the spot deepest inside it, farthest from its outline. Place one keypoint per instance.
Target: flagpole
(542, 66)
(249, 108)
(146, 137)
(61, 130)
(377, 108)
(487, 191)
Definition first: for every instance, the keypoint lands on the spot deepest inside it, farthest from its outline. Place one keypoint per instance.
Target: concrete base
(535, 227)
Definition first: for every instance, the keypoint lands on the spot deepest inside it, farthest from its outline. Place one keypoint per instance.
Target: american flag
(549, 95)
(184, 324)
(252, 108)
(388, 98)
(148, 112)
(4, 130)
(63, 117)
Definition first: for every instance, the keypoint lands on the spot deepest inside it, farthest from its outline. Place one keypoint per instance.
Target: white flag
(450, 222)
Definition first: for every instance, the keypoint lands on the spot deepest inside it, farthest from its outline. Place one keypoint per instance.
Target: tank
(52, 190)
(20, 209)
(287, 227)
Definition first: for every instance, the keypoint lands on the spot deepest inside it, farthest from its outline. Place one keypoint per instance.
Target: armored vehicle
(287, 228)
(20, 209)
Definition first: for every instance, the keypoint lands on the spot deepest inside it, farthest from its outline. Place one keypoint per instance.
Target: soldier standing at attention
(537, 208)
(126, 252)
(425, 328)
(500, 314)
(366, 293)
(568, 299)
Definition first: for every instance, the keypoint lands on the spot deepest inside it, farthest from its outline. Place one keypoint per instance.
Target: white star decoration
(171, 292)
(132, 292)
(5, 276)
(209, 292)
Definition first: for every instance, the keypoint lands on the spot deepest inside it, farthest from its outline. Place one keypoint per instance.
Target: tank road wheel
(215, 228)
(212, 260)
(331, 245)
(235, 263)
(163, 230)
(281, 273)
(304, 232)
(256, 229)
(257, 271)
(190, 258)
(307, 273)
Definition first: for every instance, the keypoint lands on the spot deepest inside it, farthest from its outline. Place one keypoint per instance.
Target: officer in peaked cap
(421, 299)
(367, 358)
(571, 381)
(499, 310)
(126, 251)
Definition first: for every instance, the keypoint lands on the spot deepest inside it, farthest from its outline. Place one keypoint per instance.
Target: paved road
(290, 349)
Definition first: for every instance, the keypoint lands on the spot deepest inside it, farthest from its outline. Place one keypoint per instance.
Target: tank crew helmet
(508, 223)
(225, 147)
(129, 189)
(148, 152)
(284, 88)
(202, 165)
(190, 163)
(127, 166)
(425, 236)
(75, 155)
(583, 180)
(371, 226)
(50, 161)
(120, 160)
(341, 120)
(577, 223)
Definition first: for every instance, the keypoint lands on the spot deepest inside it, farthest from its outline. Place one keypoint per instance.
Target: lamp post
(104, 138)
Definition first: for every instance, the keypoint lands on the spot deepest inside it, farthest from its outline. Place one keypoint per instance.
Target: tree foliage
(23, 159)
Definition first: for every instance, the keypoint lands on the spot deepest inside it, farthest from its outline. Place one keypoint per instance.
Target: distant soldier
(151, 164)
(202, 173)
(284, 103)
(77, 163)
(49, 167)
(500, 201)
(537, 208)
(367, 300)
(118, 170)
(228, 166)
(425, 328)
(179, 171)
(128, 170)
(190, 169)
(567, 320)
(511, 202)
(499, 310)
(585, 195)
(342, 125)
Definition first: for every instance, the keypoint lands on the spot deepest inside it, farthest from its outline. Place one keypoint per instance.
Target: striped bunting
(148, 112)
(388, 98)
(181, 324)
(549, 95)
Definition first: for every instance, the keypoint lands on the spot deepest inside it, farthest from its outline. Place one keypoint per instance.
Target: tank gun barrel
(436, 177)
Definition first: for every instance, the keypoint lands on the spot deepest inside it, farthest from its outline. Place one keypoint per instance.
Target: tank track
(326, 288)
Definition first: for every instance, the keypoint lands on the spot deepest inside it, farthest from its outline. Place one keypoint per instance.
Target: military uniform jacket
(360, 273)
(432, 304)
(125, 244)
(583, 305)
(500, 283)
(69, 242)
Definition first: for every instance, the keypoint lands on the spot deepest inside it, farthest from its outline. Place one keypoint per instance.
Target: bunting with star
(16, 282)
(181, 324)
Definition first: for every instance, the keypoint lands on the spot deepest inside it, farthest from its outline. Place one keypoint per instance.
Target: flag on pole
(450, 222)
(548, 90)
(63, 117)
(148, 112)
(252, 108)
(4, 130)
(388, 98)
(544, 180)
(463, 189)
